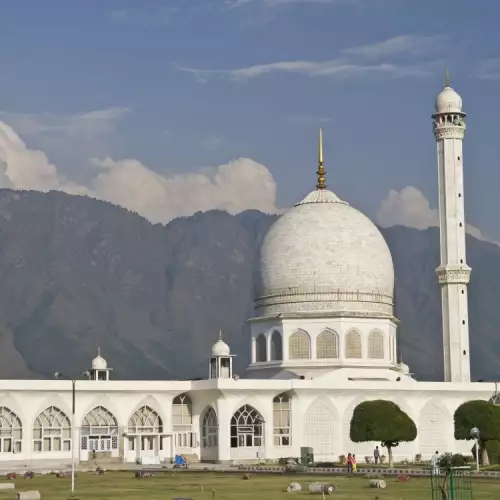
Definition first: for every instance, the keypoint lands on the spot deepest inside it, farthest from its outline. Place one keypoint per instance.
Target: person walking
(376, 455)
(354, 466)
(349, 464)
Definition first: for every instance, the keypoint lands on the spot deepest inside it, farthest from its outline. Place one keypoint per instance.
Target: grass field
(165, 486)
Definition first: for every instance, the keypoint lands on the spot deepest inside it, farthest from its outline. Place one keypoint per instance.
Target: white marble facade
(323, 339)
(219, 420)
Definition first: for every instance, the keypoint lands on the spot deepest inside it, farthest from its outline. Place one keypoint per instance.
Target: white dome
(324, 255)
(99, 363)
(220, 348)
(448, 101)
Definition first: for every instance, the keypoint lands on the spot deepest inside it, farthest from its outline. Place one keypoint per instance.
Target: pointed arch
(319, 430)
(99, 421)
(276, 346)
(261, 348)
(52, 431)
(11, 431)
(376, 345)
(247, 428)
(299, 345)
(145, 420)
(327, 345)
(209, 429)
(433, 423)
(182, 421)
(99, 431)
(282, 419)
(353, 348)
(182, 412)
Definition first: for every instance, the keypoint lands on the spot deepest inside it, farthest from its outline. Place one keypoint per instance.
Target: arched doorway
(145, 436)
(209, 435)
(99, 434)
(432, 430)
(247, 433)
(319, 432)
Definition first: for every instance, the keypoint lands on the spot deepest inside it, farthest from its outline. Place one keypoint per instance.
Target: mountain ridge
(79, 273)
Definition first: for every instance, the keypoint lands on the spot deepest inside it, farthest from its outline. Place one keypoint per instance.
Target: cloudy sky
(172, 106)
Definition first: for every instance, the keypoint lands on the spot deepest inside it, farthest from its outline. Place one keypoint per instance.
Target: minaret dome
(448, 101)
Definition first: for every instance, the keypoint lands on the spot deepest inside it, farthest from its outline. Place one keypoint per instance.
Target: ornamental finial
(220, 334)
(447, 79)
(98, 351)
(321, 170)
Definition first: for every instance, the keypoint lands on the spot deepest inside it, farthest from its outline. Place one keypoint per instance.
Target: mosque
(323, 339)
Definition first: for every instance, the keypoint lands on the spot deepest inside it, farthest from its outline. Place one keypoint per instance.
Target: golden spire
(447, 79)
(321, 170)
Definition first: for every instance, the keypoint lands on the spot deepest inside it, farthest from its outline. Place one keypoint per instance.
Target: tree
(483, 415)
(382, 421)
(446, 463)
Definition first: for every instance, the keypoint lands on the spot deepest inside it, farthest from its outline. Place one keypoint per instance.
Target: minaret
(453, 274)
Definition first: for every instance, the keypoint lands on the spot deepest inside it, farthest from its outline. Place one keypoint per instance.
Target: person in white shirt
(435, 463)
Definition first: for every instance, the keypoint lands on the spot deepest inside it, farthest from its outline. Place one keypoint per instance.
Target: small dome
(220, 348)
(448, 101)
(99, 363)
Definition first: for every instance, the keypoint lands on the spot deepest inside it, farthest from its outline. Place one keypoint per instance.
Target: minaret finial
(220, 334)
(447, 79)
(98, 351)
(321, 169)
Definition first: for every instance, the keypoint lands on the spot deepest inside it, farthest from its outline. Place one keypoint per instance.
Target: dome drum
(302, 301)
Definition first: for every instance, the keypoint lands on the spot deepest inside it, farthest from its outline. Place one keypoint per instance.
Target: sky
(168, 107)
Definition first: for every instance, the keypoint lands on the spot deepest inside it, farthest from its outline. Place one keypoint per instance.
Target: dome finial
(220, 334)
(98, 351)
(321, 170)
(447, 79)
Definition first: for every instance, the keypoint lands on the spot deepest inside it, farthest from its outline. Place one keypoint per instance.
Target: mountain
(78, 273)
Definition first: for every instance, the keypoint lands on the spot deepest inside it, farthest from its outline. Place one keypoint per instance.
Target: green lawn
(168, 485)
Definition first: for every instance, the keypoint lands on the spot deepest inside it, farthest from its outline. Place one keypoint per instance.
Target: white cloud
(334, 68)
(352, 63)
(409, 207)
(90, 124)
(239, 185)
(403, 44)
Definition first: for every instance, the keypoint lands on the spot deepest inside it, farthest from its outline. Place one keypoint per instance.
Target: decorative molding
(453, 276)
(449, 132)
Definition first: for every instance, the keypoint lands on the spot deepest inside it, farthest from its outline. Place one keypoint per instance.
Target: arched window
(182, 421)
(99, 431)
(247, 428)
(261, 348)
(353, 345)
(376, 345)
(282, 423)
(299, 346)
(327, 345)
(276, 346)
(52, 431)
(145, 421)
(11, 431)
(209, 429)
(99, 421)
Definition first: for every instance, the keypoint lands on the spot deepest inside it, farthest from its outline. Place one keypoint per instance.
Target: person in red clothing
(349, 464)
